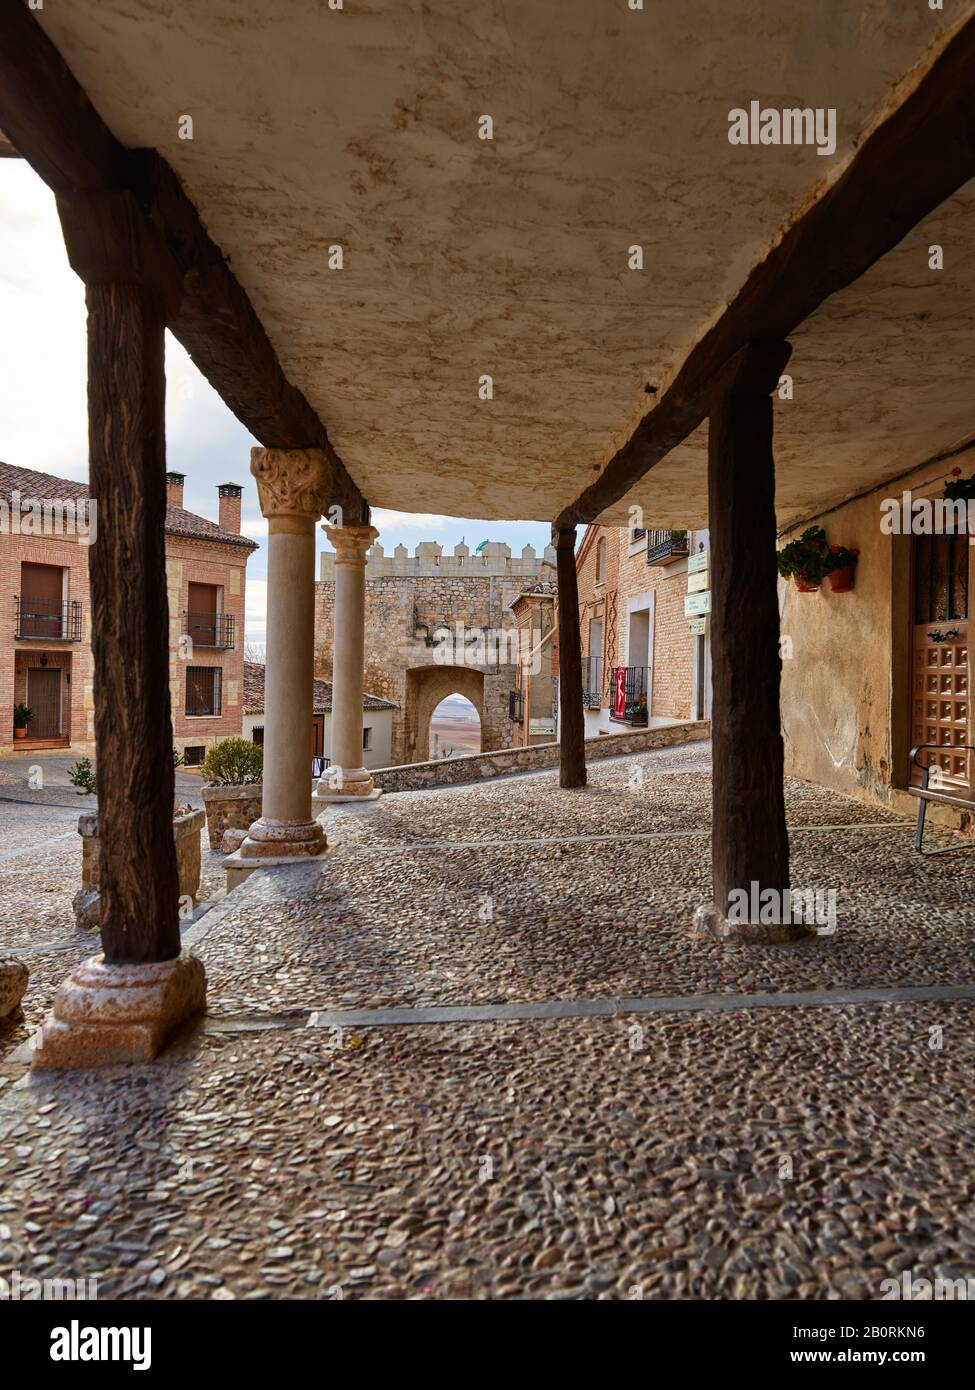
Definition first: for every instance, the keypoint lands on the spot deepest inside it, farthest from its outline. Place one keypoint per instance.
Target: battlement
(429, 562)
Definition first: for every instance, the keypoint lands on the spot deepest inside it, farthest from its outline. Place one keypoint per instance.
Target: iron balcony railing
(628, 694)
(48, 619)
(516, 706)
(592, 677)
(664, 546)
(210, 629)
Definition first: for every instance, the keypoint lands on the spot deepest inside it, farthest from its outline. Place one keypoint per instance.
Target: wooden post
(130, 624)
(122, 1007)
(572, 727)
(749, 843)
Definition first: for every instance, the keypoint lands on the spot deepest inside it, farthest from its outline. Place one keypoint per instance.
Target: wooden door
(44, 699)
(41, 588)
(318, 735)
(939, 676)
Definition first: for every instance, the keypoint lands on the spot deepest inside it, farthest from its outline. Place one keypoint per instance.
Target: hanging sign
(696, 604)
(698, 627)
(696, 583)
(698, 562)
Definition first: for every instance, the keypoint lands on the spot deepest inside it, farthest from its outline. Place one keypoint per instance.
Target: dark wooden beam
(7, 150)
(915, 159)
(749, 842)
(572, 720)
(49, 119)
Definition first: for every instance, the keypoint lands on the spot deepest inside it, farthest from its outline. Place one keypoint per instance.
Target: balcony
(628, 694)
(210, 629)
(48, 620)
(664, 547)
(592, 681)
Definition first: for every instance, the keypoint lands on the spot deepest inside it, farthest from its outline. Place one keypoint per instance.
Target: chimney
(229, 515)
(174, 489)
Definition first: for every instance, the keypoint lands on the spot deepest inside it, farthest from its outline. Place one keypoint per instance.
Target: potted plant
(841, 565)
(232, 771)
(678, 542)
(23, 714)
(806, 559)
(959, 489)
(637, 713)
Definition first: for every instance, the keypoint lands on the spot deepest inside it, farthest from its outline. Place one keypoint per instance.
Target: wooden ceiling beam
(921, 154)
(48, 119)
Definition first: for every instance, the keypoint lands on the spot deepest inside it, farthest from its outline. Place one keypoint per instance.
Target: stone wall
(186, 834)
(479, 766)
(409, 599)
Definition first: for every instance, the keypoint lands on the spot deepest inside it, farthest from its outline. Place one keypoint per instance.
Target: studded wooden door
(939, 677)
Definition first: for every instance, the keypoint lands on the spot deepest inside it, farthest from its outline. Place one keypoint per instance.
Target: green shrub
(23, 714)
(82, 776)
(233, 762)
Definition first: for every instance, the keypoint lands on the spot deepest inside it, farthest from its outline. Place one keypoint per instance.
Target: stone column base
(708, 921)
(283, 839)
(345, 785)
(105, 1014)
(13, 983)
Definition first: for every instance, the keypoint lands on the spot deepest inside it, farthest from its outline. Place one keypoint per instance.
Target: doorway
(44, 699)
(939, 657)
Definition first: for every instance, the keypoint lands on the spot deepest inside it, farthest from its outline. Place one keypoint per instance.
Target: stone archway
(426, 686)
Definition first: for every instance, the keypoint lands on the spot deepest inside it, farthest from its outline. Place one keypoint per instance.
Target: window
(203, 690)
(257, 735)
(601, 560)
(193, 757)
(367, 738)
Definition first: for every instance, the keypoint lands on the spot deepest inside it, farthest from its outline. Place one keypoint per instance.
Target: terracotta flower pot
(805, 586)
(20, 733)
(841, 581)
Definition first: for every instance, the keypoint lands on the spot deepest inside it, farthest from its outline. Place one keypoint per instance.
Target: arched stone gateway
(426, 686)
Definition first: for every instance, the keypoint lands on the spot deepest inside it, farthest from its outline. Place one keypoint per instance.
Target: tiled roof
(254, 693)
(178, 521)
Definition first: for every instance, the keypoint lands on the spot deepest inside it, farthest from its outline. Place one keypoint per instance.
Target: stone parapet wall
(231, 808)
(480, 766)
(186, 834)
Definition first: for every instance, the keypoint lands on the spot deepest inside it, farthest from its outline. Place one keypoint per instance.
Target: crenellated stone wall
(409, 599)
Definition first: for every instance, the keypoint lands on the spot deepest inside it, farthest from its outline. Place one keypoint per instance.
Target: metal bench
(925, 793)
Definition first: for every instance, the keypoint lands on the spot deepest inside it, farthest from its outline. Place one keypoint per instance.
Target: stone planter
(230, 808)
(186, 834)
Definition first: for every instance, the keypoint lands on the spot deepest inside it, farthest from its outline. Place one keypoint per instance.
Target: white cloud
(384, 520)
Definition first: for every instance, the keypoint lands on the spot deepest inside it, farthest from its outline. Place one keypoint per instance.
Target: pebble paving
(779, 1153)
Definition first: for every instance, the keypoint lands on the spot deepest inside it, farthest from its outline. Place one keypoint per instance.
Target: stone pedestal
(347, 779)
(105, 1014)
(294, 487)
(13, 983)
(708, 921)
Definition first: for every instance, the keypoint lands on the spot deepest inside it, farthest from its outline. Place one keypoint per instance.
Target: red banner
(619, 692)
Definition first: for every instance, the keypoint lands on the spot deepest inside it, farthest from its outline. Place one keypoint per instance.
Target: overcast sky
(42, 396)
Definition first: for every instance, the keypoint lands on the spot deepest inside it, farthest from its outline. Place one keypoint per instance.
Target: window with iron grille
(193, 757)
(203, 690)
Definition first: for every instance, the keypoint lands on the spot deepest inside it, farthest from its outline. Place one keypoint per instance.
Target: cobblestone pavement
(758, 1153)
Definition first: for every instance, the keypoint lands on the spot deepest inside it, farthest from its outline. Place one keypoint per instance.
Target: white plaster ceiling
(466, 257)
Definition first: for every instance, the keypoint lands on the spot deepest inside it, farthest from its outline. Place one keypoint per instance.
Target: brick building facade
(45, 655)
(641, 663)
(436, 625)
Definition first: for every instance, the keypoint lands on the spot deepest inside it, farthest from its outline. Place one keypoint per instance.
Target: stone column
(294, 488)
(749, 841)
(122, 1005)
(347, 779)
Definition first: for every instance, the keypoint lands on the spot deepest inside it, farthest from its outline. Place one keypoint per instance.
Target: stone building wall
(410, 601)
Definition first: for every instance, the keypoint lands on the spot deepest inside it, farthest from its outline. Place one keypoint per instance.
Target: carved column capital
(351, 542)
(293, 483)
